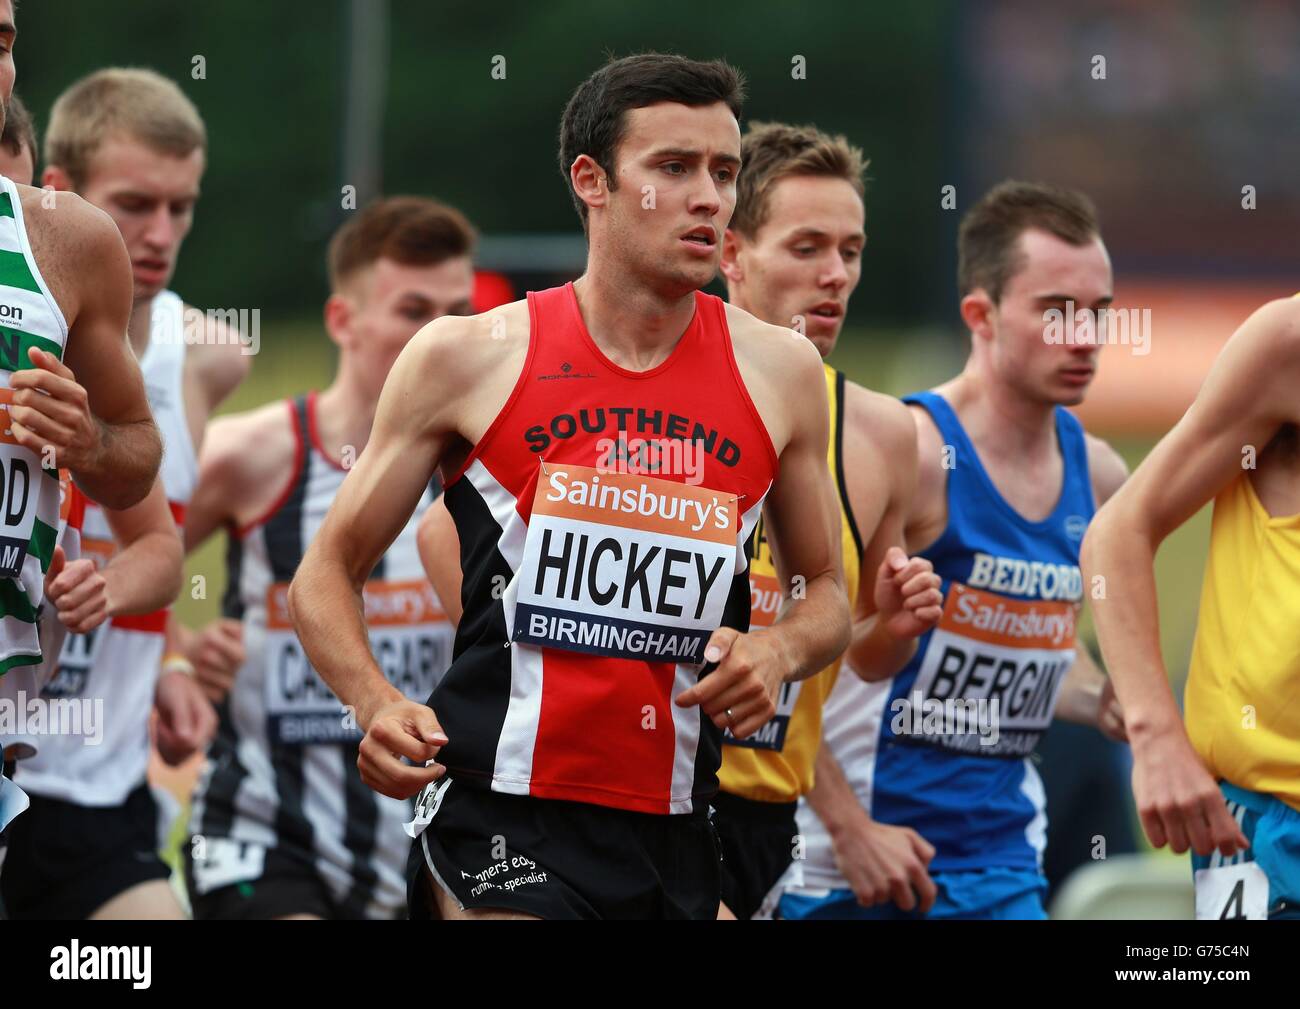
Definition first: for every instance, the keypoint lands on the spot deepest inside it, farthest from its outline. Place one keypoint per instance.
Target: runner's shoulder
(461, 348)
(220, 356)
(77, 248)
(1256, 373)
(929, 439)
(878, 419)
(1272, 334)
(66, 223)
(783, 356)
(1106, 467)
(241, 451)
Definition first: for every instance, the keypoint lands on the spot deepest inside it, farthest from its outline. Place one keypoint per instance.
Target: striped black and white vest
(282, 772)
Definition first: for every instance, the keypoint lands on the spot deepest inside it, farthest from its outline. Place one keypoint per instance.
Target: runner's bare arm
(411, 432)
(417, 420)
(151, 559)
(246, 464)
(1247, 396)
(439, 547)
(898, 597)
(802, 513)
(881, 862)
(145, 574)
(1087, 696)
(90, 407)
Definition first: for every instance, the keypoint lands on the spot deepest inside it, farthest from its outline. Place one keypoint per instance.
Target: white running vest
(282, 772)
(112, 671)
(850, 730)
(29, 493)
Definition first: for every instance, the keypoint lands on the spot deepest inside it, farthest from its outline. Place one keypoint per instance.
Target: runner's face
(394, 301)
(676, 169)
(151, 196)
(802, 266)
(1053, 273)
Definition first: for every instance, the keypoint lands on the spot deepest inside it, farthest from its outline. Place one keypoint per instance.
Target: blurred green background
(274, 97)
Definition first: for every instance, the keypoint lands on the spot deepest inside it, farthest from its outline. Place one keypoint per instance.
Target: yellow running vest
(1242, 703)
(776, 763)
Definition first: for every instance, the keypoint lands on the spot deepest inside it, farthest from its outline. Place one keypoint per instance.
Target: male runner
(62, 280)
(792, 256)
(141, 578)
(571, 723)
(1006, 485)
(282, 825)
(65, 302)
(130, 142)
(1226, 784)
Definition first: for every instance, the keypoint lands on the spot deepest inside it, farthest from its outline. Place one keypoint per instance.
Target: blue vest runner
(965, 713)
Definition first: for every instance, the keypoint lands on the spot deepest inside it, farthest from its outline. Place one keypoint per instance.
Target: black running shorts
(285, 886)
(65, 861)
(557, 859)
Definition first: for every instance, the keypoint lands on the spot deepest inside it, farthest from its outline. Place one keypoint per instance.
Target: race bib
(624, 565)
(1232, 892)
(219, 861)
(20, 473)
(410, 638)
(992, 672)
(426, 806)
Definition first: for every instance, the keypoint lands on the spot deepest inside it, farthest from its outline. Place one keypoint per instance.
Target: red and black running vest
(604, 521)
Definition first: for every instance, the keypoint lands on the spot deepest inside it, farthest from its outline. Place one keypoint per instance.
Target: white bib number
(1007, 657)
(219, 861)
(1232, 892)
(410, 637)
(628, 566)
(20, 473)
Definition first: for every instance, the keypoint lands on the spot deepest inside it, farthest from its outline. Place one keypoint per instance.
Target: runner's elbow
(1114, 531)
(299, 598)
